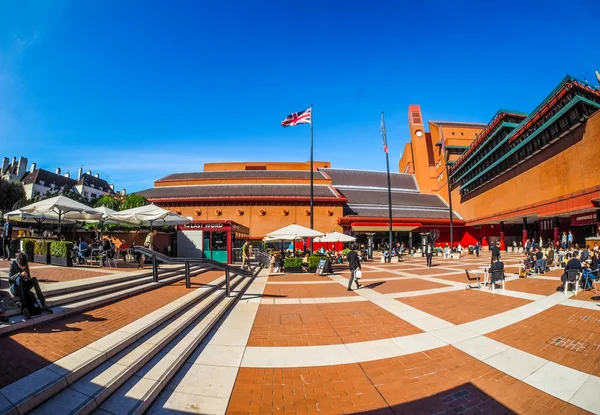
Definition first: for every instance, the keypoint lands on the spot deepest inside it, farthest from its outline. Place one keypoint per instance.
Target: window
(94, 195)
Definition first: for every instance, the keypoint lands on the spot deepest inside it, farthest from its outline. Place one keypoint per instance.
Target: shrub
(41, 248)
(61, 249)
(346, 251)
(28, 246)
(292, 263)
(313, 260)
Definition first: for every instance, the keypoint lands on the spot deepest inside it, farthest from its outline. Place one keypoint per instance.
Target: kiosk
(218, 240)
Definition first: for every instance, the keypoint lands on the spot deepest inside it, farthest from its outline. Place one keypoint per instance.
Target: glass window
(219, 241)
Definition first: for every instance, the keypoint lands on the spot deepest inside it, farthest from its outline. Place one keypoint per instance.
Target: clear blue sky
(135, 90)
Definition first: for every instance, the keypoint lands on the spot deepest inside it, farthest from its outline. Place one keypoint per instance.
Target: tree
(111, 202)
(69, 192)
(10, 193)
(133, 201)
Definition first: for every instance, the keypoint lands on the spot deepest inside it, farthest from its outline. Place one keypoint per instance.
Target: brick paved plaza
(411, 341)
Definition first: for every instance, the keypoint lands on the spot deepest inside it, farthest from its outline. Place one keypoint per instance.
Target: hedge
(346, 251)
(28, 245)
(61, 249)
(313, 260)
(41, 248)
(290, 263)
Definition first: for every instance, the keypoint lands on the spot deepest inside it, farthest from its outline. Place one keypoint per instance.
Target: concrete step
(17, 321)
(73, 296)
(34, 389)
(84, 395)
(137, 394)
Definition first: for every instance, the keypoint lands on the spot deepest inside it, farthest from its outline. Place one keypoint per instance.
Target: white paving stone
(516, 363)
(454, 334)
(418, 342)
(374, 350)
(204, 380)
(217, 355)
(170, 403)
(481, 347)
(588, 395)
(557, 380)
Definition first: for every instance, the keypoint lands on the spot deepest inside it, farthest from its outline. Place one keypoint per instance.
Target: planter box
(294, 270)
(63, 262)
(41, 259)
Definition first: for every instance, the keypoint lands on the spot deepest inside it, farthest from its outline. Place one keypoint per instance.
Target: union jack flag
(384, 134)
(302, 117)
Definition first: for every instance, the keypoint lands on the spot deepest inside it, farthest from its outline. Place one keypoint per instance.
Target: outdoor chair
(573, 277)
(497, 276)
(473, 280)
(108, 256)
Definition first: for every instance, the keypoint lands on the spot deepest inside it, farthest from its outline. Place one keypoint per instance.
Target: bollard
(188, 282)
(154, 268)
(227, 286)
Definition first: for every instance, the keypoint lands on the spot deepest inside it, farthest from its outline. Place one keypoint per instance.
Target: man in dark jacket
(20, 281)
(353, 264)
(495, 252)
(573, 263)
(429, 254)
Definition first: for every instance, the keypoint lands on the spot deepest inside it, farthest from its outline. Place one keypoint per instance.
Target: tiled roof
(353, 210)
(244, 174)
(46, 177)
(229, 190)
(95, 182)
(360, 178)
(380, 197)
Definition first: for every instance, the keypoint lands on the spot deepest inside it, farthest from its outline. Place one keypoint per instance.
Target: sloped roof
(244, 174)
(380, 197)
(46, 177)
(95, 182)
(234, 190)
(361, 178)
(366, 211)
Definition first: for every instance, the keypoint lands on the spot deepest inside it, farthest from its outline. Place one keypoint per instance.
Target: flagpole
(449, 203)
(389, 180)
(311, 175)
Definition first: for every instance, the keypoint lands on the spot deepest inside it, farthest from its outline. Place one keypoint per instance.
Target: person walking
(354, 265)
(148, 243)
(6, 239)
(245, 255)
(570, 240)
(429, 254)
(477, 247)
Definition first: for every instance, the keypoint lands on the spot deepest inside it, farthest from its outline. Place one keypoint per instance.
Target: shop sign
(589, 218)
(203, 226)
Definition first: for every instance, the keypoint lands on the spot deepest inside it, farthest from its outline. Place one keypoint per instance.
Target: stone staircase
(66, 298)
(124, 372)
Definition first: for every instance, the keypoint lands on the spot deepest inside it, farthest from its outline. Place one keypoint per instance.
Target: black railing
(158, 257)
(262, 257)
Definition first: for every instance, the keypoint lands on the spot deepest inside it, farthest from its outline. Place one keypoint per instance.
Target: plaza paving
(411, 341)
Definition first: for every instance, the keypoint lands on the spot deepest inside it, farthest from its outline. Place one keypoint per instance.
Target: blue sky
(135, 90)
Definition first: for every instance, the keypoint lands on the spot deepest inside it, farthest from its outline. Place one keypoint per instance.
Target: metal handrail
(158, 257)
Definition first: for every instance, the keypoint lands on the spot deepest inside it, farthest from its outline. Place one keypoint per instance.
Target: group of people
(586, 263)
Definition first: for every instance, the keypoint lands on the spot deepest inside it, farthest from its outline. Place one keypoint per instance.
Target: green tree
(133, 201)
(69, 192)
(10, 193)
(111, 202)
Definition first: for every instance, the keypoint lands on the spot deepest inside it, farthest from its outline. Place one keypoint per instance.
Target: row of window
(564, 123)
(488, 145)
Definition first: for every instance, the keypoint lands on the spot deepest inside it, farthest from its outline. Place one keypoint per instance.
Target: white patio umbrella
(23, 217)
(149, 215)
(335, 237)
(291, 232)
(64, 208)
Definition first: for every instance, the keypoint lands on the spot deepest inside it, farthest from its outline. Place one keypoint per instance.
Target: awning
(384, 227)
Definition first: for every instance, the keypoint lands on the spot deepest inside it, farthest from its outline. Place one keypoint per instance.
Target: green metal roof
(459, 147)
(501, 126)
(503, 111)
(535, 133)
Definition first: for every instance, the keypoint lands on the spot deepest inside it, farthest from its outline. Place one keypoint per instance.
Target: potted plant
(41, 252)
(292, 265)
(60, 253)
(28, 248)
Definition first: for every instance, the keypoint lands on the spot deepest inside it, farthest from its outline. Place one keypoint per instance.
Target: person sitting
(82, 251)
(386, 257)
(588, 276)
(573, 263)
(540, 264)
(21, 282)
